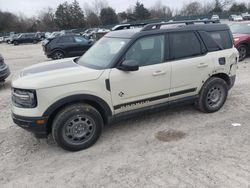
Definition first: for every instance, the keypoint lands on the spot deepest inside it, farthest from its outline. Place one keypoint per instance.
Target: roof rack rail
(154, 26)
(127, 26)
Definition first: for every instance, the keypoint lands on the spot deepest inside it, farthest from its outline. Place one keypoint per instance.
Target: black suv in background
(26, 38)
(4, 70)
(66, 46)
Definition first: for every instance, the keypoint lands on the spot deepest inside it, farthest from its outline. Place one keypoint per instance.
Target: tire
(212, 95)
(15, 43)
(77, 127)
(242, 52)
(35, 41)
(58, 55)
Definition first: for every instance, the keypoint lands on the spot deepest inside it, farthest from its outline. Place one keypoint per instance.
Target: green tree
(220, 5)
(158, 10)
(62, 14)
(108, 16)
(46, 20)
(241, 7)
(217, 7)
(122, 16)
(141, 12)
(191, 9)
(77, 15)
(93, 20)
(8, 22)
(69, 16)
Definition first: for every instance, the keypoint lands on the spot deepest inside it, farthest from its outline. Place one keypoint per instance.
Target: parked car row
(89, 33)
(240, 17)
(24, 38)
(235, 17)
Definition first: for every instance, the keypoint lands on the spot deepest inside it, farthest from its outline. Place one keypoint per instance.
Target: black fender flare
(99, 103)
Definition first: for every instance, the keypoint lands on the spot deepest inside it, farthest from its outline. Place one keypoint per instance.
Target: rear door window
(184, 44)
(66, 39)
(81, 40)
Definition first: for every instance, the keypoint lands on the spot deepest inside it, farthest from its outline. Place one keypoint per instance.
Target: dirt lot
(207, 151)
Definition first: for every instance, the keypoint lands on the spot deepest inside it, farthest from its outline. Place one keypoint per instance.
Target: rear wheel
(242, 52)
(15, 43)
(77, 127)
(213, 95)
(58, 55)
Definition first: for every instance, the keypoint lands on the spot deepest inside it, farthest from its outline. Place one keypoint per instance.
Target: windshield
(240, 28)
(101, 55)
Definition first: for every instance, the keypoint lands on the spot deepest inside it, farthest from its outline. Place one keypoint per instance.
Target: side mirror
(129, 65)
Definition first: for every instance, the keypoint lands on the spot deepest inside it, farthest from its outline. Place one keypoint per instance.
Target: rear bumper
(30, 124)
(4, 73)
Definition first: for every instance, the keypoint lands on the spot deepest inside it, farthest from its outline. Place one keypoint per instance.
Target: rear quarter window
(209, 42)
(222, 38)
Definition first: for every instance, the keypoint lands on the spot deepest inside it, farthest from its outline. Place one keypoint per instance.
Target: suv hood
(54, 73)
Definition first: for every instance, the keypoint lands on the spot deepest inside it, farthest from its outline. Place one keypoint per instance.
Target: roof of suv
(172, 27)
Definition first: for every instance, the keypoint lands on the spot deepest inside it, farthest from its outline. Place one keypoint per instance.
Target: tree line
(99, 13)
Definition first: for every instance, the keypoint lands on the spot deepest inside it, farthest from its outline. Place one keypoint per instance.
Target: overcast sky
(32, 7)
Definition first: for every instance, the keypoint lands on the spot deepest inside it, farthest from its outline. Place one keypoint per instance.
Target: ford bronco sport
(126, 72)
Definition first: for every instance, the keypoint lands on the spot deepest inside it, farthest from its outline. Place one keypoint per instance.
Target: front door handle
(201, 65)
(158, 73)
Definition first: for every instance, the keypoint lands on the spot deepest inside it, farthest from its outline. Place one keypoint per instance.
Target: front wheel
(77, 127)
(213, 95)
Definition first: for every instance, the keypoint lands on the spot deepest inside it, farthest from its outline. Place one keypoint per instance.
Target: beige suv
(126, 72)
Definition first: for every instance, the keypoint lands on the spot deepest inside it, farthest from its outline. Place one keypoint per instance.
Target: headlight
(236, 39)
(24, 98)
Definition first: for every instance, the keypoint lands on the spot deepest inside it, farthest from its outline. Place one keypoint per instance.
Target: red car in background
(241, 34)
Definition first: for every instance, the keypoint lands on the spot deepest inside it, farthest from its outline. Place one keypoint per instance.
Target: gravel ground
(181, 147)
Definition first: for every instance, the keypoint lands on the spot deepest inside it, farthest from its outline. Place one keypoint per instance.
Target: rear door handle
(201, 65)
(158, 73)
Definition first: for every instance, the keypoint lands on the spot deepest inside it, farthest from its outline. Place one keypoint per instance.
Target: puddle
(170, 135)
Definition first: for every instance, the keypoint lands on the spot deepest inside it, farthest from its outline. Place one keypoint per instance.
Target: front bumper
(4, 72)
(47, 52)
(30, 124)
